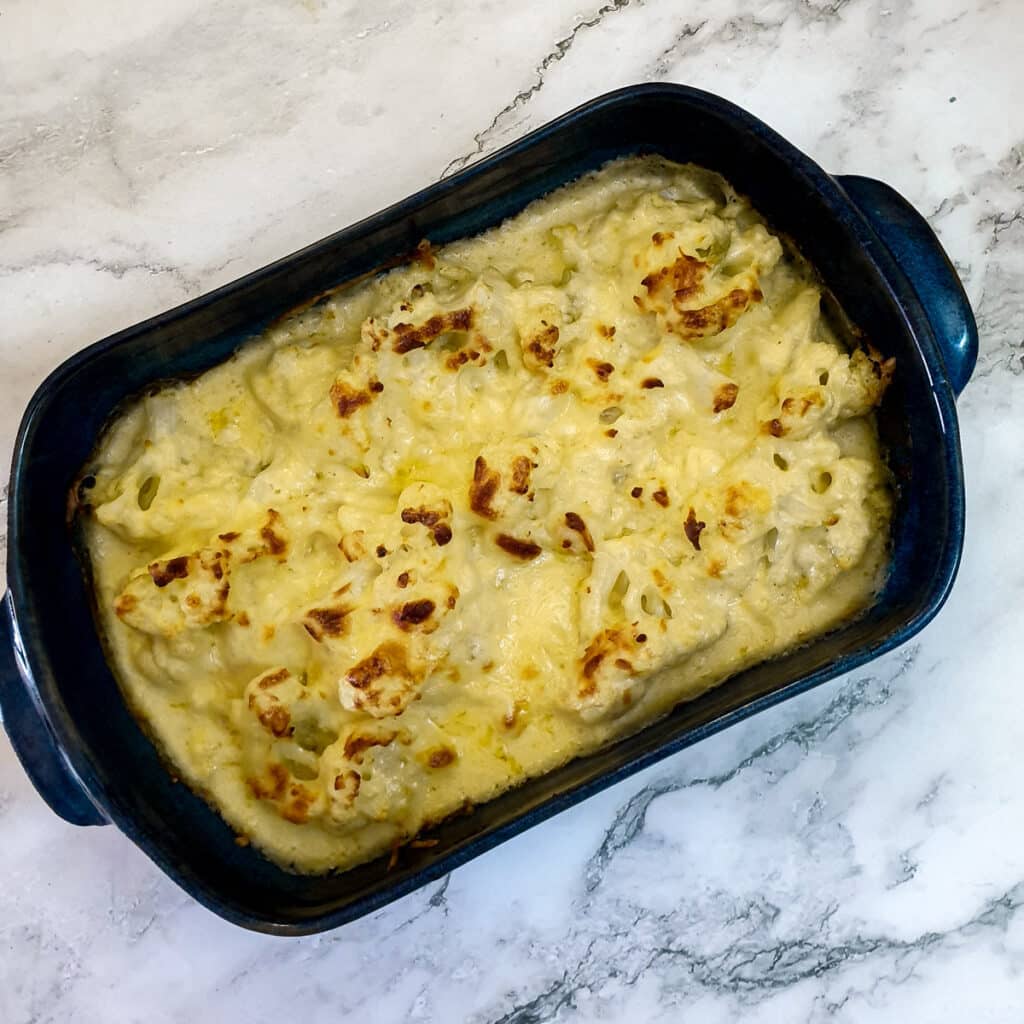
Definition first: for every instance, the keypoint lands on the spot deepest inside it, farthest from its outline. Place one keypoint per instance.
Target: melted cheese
(451, 527)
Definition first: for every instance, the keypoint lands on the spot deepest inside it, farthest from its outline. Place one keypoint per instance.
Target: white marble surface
(856, 854)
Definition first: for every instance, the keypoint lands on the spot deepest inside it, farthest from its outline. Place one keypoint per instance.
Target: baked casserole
(450, 527)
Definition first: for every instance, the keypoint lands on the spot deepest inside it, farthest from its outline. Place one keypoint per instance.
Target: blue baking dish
(62, 709)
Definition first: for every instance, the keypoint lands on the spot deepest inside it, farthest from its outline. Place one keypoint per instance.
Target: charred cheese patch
(458, 523)
(174, 594)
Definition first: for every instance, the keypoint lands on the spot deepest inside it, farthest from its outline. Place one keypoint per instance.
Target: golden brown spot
(276, 787)
(351, 545)
(602, 369)
(692, 528)
(228, 537)
(242, 619)
(716, 317)
(268, 632)
(173, 569)
(381, 551)
(192, 600)
(832, 520)
(482, 488)
(275, 719)
(346, 399)
(459, 359)
(409, 337)
(575, 522)
(611, 432)
(591, 665)
(275, 545)
(623, 665)
(652, 382)
(273, 678)
(541, 348)
(521, 467)
(403, 580)
(725, 397)
(413, 613)
(296, 809)
(125, 605)
(661, 497)
(348, 783)
(637, 492)
(606, 643)
(433, 520)
(524, 549)
(805, 402)
(774, 427)
(715, 567)
(357, 744)
(321, 622)
(377, 334)
(387, 659)
(559, 387)
(661, 237)
(440, 757)
(606, 332)
(678, 281)
(376, 387)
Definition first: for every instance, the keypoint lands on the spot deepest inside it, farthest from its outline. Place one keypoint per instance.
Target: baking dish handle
(30, 733)
(913, 244)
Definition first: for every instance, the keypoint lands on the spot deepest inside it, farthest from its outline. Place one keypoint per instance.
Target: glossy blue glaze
(913, 244)
(31, 736)
(63, 712)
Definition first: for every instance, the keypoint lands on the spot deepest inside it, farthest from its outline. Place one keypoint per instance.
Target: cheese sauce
(453, 526)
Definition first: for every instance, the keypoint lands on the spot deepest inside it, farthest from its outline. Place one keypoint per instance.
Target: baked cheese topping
(448, 528)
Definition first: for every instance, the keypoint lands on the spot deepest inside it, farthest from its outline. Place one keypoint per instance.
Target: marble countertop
(857, 853)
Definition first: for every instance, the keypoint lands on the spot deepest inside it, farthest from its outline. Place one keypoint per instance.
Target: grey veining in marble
(855, 854)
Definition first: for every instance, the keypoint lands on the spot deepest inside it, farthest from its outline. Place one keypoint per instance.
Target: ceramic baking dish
(61, 706)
